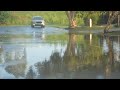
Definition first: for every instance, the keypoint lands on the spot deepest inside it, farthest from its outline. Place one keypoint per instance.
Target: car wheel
(42, 26)
(32, 26)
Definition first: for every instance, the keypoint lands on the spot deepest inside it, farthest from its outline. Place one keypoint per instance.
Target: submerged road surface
(46, 55)
(29, 30)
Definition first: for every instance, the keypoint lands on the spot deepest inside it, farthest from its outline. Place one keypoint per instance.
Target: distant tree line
(98, 17)
(76, 18)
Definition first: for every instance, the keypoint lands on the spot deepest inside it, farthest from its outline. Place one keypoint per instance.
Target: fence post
(90, 21)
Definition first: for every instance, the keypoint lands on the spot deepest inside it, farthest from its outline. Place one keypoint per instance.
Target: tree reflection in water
(31, 74)
(78, 57)
(84, 57)
(109, 62)
(112, 62)
(17, 70)
(17, 65)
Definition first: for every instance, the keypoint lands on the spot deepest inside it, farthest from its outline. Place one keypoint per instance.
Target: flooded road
(53, 53)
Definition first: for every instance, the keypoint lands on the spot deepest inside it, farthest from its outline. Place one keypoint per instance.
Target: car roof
(37, 16)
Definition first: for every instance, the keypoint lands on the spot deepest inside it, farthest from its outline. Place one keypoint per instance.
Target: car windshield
(37, 18)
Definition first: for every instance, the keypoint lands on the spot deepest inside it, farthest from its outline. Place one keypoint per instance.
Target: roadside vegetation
(57, 18)
(24, 17)
(10, 36)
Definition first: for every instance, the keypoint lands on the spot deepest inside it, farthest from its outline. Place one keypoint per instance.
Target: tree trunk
(71, 16)
(70, 51)
(118, 21)
(112, 16)
(110, 61)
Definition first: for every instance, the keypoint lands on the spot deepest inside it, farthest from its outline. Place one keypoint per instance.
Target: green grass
(58, 37)
(24, 17)
(114, 33)
(58, 26)
(56, 19)
(9, 36)
(63, 38)
(88, 28)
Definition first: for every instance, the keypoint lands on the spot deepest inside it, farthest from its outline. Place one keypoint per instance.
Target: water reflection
(90, 38)
(77, 58)
(13, 60)
(112, 60)
(39, 34)
(83, 56)
(30, 74)
(82, 60)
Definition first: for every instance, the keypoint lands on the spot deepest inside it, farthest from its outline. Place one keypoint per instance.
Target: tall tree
(112, 15)
(71, 18)
(110, 61)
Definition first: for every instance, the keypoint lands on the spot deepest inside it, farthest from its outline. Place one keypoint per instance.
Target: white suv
(37, 21)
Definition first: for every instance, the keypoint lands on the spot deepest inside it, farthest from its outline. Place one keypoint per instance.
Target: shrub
(4, 15)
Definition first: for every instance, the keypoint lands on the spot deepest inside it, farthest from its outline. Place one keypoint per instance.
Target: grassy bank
(52, 18)
(10, 36)
(24, 17)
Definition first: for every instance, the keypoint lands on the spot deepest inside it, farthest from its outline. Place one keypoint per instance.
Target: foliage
(24, 17)
(4, 15)
(96, 16)
(54, 17)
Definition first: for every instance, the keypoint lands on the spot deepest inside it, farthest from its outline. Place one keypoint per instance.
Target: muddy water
(52, 53)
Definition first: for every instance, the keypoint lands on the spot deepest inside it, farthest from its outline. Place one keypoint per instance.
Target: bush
(95, 17)
(4, 15)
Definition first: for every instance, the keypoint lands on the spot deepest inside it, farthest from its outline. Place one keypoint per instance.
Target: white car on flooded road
(37, 21)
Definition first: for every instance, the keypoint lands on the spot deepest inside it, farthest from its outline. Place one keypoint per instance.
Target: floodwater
(53, 53)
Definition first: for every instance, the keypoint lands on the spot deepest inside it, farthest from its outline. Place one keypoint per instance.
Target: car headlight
(43, 22)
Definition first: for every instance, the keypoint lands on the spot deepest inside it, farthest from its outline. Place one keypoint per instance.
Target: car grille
(38, 22)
